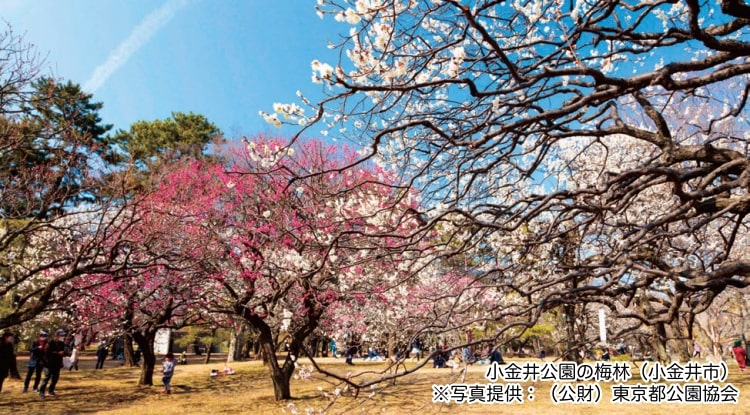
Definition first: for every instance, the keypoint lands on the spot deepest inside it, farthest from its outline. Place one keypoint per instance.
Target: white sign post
(161, 341)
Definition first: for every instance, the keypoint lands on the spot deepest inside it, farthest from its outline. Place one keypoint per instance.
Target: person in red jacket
(740, 355)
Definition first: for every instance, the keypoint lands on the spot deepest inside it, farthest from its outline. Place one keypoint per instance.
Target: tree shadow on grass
(72, 399)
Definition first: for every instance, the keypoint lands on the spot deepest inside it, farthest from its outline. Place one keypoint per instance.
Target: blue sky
(144, 59)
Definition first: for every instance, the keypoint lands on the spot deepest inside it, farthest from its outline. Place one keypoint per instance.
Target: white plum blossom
(321, 71)
(459, 53)
(367, 7)
(271, 118)
(383, 33)
(349, 16)
(352, 17)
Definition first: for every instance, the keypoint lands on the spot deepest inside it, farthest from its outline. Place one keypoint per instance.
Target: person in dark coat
(496, 356)
(36, 361)
(7, 356)
(351, 346)
(101, 355)
(56, 350)
(439, 358)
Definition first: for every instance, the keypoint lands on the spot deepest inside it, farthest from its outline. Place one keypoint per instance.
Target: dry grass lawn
(114, 390)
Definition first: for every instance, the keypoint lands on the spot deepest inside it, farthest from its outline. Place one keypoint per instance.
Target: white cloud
(138, 37)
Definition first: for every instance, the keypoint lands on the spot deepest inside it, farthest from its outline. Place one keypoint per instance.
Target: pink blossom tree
(300, 245)
(274, 248)
(165, 282)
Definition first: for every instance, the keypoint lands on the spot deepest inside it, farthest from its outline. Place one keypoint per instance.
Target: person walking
(740, 355)
(7, 356)
(36, 361)
(416, 349)
(696, 350)
(101, 355)
(332, 345)
(56, 350)
(167, 370)
(351, 346)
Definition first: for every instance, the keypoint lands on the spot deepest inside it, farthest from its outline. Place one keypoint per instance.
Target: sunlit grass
(249, 391)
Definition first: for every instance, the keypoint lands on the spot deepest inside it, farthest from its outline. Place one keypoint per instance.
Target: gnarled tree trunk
(281, 375)
(127, 350)
(145, 341)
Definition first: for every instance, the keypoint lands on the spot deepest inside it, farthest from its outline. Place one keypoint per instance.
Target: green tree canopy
(181, 135)
(52, 137)
(154, 146)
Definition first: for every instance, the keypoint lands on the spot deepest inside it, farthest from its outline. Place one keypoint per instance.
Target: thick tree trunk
(568, 259)
(281, 386)
(251, 351)
(146, 342)
(659, 343)
(683, 347)
(147, 370)
(659, 339)
(263, 355)
(240, 345)
(128, 352)
(208, 347)
(572, 348)
(280, 375)
(235, 346)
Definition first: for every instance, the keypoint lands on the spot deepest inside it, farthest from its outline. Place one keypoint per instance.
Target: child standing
(73, 359)
(167, 370)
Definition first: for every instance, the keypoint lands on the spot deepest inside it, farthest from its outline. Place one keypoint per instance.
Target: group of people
(441, 356)
(47, 357)
(490, 354)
